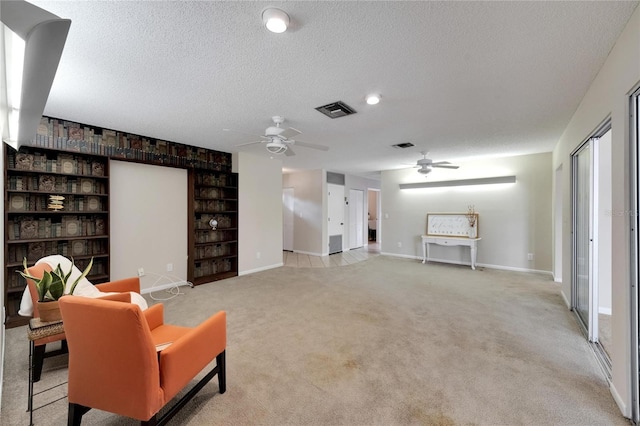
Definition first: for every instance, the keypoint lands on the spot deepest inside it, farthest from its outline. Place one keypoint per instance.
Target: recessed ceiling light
(275, 20)
(373, 99)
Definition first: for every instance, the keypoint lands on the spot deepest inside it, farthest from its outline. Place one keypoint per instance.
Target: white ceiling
(458, 79)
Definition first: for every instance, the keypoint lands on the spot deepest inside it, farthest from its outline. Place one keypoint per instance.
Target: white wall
(608, 96)
(309, 225)
(148, 222)
(515, 219)
(260, 212)
(558, 225)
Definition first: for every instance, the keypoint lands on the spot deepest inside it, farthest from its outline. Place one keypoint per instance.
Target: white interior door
(287, 218)
(356, 218)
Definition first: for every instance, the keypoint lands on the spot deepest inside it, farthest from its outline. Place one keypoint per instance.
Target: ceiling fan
(425, 165)
(279, 140)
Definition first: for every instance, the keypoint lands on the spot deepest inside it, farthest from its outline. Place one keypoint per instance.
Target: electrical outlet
(399, 244)
(169, 267)
(141, 272)
(530, 256)
(258, 255)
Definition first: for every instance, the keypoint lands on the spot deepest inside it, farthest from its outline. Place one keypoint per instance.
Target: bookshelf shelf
(32, 212)
(217, 242)
(30, 263)
(26, 191)
(32, 240)
(12, 171)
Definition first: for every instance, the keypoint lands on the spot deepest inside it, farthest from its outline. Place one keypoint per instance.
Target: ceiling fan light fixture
(275, 20)
(276, 147)
(373, 99)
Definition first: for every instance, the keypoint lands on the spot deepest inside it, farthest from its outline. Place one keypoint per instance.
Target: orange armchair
(40, 353)
(115, 366)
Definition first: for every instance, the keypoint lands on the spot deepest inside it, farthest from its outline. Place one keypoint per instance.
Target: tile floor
(299, 260)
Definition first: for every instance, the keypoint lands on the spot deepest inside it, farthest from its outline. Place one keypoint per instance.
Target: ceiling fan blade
(250, 143)
(312, 145)
(289, 133)
(289, 152)
(444, 166)
(441, 162)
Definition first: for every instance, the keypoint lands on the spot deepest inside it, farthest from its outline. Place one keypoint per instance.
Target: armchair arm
(154, 316)
(120, 286)
(186, 357)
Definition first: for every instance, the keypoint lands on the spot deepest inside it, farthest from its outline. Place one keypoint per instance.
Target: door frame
(589, 324)
(288, 194)
(356, 227)
(591, 329)
(336, 212)
(634, 248)
(378, 213)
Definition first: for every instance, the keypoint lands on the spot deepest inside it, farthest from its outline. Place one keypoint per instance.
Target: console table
(472, 243)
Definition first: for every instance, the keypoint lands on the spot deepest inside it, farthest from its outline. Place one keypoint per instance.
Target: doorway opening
(356, 218)
(373, 220)
(336, 214)
(288, 217)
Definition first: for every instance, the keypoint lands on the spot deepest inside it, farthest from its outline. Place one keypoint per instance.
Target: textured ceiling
(458, 79)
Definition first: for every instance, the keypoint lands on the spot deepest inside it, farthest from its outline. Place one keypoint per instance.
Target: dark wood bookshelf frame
(227, 194)
(51, 244)
(70, 139)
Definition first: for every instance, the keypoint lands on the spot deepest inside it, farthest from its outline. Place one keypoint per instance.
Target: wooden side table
(37, 330)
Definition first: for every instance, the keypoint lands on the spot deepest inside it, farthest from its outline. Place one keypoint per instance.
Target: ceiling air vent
(336, 109)
(403, 145)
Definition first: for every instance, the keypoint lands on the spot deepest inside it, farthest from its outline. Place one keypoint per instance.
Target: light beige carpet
(385, 341)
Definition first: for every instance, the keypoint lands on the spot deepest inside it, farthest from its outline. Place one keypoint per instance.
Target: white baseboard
(566, 301)
(310, 253)
(404, 256)
(621, 405)
(164, 287)
(260, 269)
(512, 268)
(604, 311)
(484, 265)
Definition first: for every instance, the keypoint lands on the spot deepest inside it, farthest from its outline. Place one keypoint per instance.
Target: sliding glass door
(591, 254)
(634, 148)
(582, 172)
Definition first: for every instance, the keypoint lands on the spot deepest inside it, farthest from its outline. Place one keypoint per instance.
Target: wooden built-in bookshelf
(213, 195)
(35, 227)
(71, 160)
